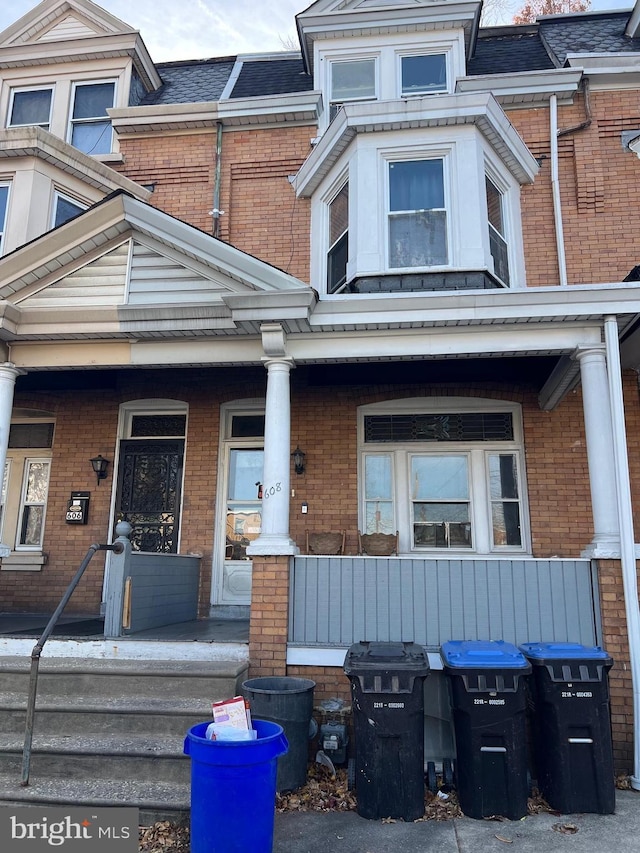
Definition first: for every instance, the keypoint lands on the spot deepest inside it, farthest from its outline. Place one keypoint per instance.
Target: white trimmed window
(29, 107)
(26, 485)
(352, 80)
(4, 205)
(497, 230)
(90, 129)
(449, 478)
(417, 214)
(423, 74)
(65, 208)
(338, 253)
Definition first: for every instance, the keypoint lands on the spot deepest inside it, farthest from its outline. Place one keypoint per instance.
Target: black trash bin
(288, 702)
(387, 681)
(572, 726)
(488, 697)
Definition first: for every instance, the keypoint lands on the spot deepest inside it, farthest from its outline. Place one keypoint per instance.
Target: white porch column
(8, 376)
(274, 537)
(599, 435)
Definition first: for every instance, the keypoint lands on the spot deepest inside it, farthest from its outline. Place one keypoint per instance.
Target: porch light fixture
(99, 465)
(298, 460)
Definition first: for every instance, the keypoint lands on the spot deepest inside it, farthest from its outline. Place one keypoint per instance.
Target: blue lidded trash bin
(489, 702)
(572, 726)
(233, 789)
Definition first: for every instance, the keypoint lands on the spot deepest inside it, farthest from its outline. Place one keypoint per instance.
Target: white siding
(69, 28)
(156, 278)
(102, 282)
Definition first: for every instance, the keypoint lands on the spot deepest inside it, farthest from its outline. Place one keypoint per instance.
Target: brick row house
(406, 251)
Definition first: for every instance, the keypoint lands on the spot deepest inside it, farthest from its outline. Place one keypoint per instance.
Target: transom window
(446, 482)
(424, 74)
(497, 235)
(30, 107)
(90, 124)
(417, 214)
(338, 253)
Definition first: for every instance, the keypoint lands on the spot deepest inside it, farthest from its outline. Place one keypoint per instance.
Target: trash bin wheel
(351, 774)
(447, 772)
(432, 782)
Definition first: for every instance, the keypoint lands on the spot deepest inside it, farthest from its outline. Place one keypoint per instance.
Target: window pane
(378, 478)
(94, 138)
(245, 471)
(379, 517)
(439, 478)
(339, 215)
(157, 425)
(4, 195)
(503, 476)
(494, 206)
(423, 74)
(66, 210)
(337, 264)
(243, 526)
(31, 529)
(31, 107)
(418, 239)
(37, 480)
(247, 426)
(506, 523)
(416, 185)
(354, 79)
(93, 100)
(30, 435)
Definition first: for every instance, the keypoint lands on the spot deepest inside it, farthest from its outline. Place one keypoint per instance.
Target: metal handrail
(117, 548)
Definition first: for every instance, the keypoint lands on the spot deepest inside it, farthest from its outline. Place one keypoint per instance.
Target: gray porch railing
(336, 601)
(149, 590)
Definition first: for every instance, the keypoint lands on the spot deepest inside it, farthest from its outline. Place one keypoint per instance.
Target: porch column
(274, 537)
(600, 457)
(8, 376)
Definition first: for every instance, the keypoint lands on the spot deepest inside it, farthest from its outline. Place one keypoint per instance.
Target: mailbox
(78, 508)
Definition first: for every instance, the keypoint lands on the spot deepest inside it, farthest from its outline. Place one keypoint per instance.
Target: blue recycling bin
(572, 726)
(487, 680)
(233, 789)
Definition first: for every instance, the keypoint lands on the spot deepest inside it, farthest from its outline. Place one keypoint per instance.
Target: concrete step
(156, 800)
(214, 680)
(140, 758)
(91, 715)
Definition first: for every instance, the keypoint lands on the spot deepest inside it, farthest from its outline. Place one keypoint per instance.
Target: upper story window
(90, 124)
(338, 253)
(65, 208)
(30, 107)
(4, 203)
(423, 74)
(497, 232)
(417, 214)
(352, 80)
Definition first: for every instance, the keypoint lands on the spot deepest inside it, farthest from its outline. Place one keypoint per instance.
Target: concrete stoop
(108, 732)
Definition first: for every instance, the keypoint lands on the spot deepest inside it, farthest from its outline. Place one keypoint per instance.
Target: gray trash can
(288, 702)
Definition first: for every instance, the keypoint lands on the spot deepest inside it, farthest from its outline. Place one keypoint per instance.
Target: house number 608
(269, 492)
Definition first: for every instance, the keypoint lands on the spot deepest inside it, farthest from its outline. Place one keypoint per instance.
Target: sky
(197, 29)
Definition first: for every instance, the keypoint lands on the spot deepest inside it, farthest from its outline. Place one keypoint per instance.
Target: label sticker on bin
(482, 654)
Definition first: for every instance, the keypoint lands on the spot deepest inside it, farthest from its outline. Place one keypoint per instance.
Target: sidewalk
(346, 832)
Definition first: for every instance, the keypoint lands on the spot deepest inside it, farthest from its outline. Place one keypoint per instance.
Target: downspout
(555, 189)
(627, 539)
(216, 213)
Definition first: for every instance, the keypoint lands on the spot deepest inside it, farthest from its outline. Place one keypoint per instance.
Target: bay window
(30, 107)
(90, 124)
(65, 208)
(497, 240)
(447, 480)
(417, 214)
(338, 253)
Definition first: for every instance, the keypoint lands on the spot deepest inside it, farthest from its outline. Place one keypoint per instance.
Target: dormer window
(90, 124)
(352, 80)
(30, 107)
(417, 214)
(423, 74)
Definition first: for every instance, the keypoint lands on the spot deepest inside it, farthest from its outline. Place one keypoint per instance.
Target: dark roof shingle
(191, 82)
(508, 53)
(271, 77)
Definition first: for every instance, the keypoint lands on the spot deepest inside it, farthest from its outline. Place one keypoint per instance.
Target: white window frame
(413, 156)
(3, 219)
(96, 119)
(505, 209)
(330, 246)
(478, 454)
(435, 51)
(24, 503)
(21, 90)
(334, 104)
(57, 197)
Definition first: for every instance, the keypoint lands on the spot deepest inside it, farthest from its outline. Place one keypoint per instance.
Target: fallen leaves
(565, 828)
(163, 836)
(322, 793)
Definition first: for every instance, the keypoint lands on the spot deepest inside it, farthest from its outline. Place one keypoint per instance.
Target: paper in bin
(222, 731)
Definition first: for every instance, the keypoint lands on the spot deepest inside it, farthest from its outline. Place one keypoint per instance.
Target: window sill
(24, 561)
(115, 157)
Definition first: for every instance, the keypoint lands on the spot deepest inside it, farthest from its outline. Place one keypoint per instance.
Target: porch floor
(24, 626)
